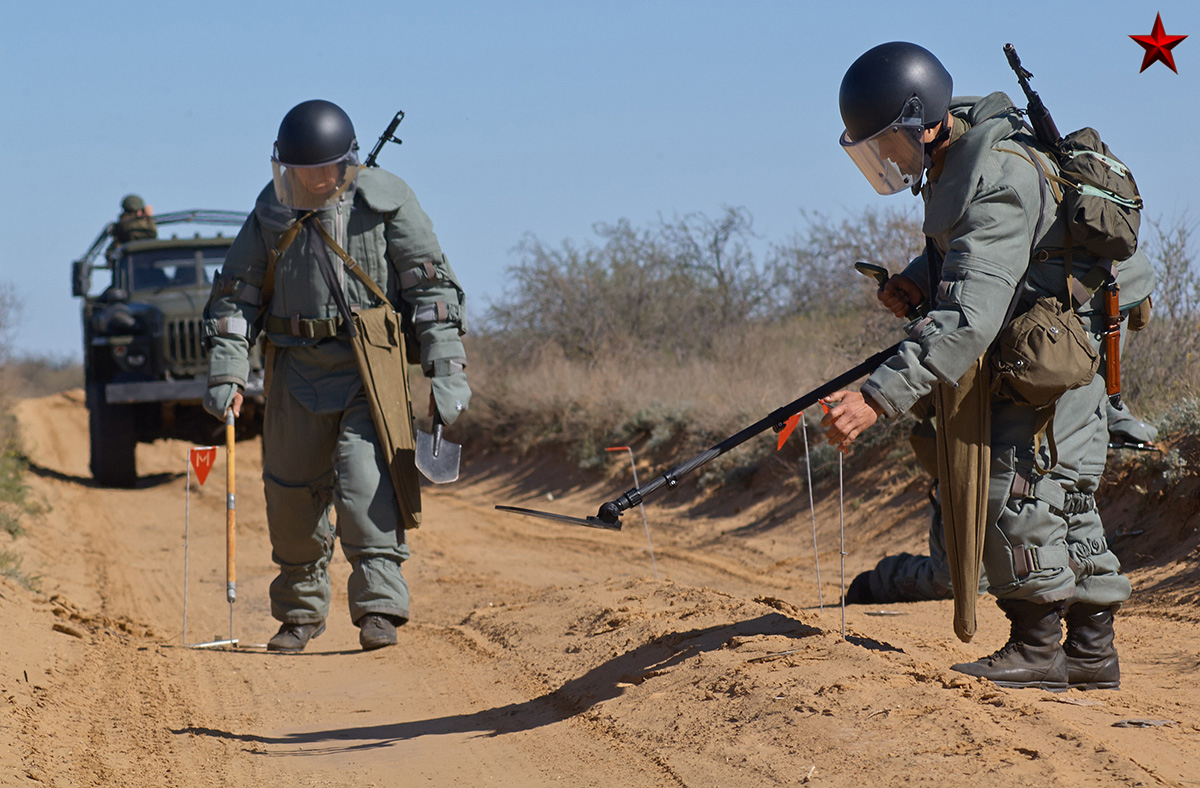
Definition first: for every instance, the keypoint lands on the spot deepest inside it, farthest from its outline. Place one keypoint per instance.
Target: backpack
(1100, 199)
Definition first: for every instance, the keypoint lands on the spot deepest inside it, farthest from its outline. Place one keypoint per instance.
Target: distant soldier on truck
(135, 223)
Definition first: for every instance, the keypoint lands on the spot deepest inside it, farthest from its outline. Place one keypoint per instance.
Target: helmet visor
(892, 159)
(312, 186)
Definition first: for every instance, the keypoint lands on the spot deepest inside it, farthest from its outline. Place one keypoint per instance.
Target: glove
(451, 393)
(218, 398)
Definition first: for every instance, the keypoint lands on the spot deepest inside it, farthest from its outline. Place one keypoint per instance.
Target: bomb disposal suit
(995, 226)
(320, 446)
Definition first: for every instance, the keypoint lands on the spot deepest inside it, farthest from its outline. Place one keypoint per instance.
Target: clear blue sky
(525, 117)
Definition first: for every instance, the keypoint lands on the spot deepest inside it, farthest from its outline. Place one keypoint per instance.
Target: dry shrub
(675, 335)
(1161, 364)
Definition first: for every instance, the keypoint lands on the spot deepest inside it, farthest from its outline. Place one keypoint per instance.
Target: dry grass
(39, 376)
(666, 407)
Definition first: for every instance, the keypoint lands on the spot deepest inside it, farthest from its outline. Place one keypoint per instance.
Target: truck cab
(145, 363)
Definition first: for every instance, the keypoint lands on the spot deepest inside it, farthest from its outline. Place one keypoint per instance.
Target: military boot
(294, 637)
(376, 630)
(1091, 655)
(1033, 656)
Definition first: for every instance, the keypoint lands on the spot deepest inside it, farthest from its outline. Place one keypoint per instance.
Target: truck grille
(181, 343)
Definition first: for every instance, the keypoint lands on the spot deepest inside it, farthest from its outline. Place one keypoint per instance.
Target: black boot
(1033, 656)
(1091, 655)
(376, 630)
(292, 638)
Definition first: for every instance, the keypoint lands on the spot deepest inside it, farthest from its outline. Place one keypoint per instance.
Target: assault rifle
(387, 136)
(1046, 132)
(1039, 117)
(609, 516)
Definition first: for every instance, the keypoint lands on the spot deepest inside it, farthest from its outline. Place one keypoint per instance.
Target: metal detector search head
(607, 518)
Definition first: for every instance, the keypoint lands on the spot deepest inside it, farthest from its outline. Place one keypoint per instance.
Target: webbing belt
(309, 328)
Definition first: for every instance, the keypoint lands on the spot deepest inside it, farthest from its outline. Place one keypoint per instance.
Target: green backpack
(1099, 195)
(1100, 198)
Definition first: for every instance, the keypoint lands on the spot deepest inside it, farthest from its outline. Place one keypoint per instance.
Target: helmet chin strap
(942, 135)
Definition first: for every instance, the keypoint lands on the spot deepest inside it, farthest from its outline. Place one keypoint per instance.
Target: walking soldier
(283, 280)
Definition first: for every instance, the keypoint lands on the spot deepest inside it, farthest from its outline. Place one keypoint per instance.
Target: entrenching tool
(609, 515)
(436, 458)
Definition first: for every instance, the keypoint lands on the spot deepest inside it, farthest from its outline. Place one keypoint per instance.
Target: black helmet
(884, 79)
(314, 132)
(889, 98)
(316, 156)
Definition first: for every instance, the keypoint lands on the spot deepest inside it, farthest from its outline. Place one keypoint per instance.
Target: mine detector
(145, 363)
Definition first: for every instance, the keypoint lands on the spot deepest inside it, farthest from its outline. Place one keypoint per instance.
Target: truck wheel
(113, 441)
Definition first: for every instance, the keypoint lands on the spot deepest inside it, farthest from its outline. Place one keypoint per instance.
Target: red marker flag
(786, 432)
(202, 461)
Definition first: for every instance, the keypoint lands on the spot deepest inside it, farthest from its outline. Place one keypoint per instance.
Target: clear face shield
(313, 186)
(892, 159)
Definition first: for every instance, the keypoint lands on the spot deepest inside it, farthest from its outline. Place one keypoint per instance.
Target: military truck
(145, 364)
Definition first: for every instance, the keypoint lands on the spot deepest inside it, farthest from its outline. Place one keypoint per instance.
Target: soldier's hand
(846, 420)
(221, 397)
(899, 294)
(451, 395)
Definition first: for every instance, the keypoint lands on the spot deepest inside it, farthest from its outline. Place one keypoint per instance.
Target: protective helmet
(132, 203)
(316, 155)
(888, 98)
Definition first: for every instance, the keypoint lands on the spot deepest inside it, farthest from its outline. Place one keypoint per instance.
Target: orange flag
(786, 432)
(202, 461)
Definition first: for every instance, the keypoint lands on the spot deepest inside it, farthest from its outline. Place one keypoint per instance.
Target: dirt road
(546, 655)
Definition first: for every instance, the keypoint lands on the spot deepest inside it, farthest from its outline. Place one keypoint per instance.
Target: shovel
(437, 459)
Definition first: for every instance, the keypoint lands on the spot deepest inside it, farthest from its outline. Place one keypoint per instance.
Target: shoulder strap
(351, 265)
(281, 246)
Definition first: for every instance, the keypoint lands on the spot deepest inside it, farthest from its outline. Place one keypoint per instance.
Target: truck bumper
(169, 390)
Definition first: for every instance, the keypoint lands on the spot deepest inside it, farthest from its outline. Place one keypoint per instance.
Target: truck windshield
(154, 269)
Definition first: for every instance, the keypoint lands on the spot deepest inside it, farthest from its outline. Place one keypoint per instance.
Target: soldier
(986, 216)
(135, 222)
(281, 278)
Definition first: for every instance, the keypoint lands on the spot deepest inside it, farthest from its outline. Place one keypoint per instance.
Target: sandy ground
(547, 655)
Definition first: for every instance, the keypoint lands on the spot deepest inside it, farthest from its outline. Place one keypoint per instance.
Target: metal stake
(187, 528)
(812, 506)
(230, 520)
(842, 532)
(642, 506)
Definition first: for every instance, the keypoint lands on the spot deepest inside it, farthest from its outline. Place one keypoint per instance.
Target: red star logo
(1158, 46)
